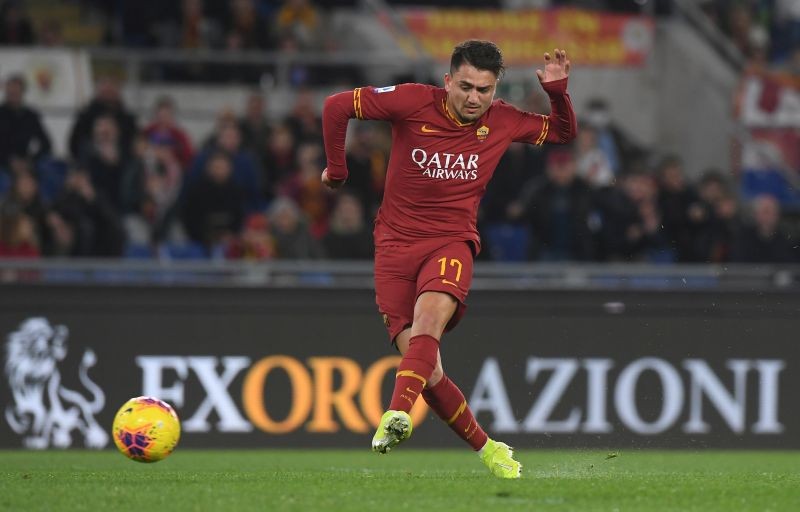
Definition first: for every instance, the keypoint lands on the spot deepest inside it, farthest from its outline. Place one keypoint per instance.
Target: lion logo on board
(482, 133)
(44, 410)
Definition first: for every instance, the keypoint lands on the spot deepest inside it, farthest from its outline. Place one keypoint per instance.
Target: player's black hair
(483, 55)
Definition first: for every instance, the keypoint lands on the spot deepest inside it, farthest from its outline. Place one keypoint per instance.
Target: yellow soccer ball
(146, 429)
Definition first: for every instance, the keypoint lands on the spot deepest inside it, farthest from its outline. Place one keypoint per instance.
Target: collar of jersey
(451, 116)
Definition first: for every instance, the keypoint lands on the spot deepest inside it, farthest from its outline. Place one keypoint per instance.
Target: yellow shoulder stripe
(357, 102)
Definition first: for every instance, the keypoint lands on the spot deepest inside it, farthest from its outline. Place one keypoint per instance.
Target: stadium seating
(188, 251)
(507, 242)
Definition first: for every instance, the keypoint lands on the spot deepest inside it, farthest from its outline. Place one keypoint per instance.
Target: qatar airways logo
(446, 166)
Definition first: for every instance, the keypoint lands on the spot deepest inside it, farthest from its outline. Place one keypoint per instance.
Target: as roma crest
(482, 133)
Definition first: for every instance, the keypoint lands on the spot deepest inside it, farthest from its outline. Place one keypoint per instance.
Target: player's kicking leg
(416, 367)
(420, 349)
(448, 402)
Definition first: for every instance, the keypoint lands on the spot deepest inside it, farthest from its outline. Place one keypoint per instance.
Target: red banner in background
(768, 149)
(591, 38)
(769, 100)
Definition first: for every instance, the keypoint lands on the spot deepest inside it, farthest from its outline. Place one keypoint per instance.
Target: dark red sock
(414, 371)
(448, 402)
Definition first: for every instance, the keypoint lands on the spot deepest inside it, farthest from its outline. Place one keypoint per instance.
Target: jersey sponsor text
(448, 166)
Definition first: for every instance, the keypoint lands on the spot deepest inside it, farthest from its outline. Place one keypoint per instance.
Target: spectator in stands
(255, 243)
(712, 233)
(224, 117)
(24, 196)
(299, 73)
(246, 172)
(213, 208)
(304, 119)
(306, 189)
(22, 134)
(506, 238)
(712, 186)
(107, 101)
(279, 160)
(682, 212)
(106, 161)
(293, 240)
(192, 27)
(150, 191)
(196, 29)
(83, 221)
(16, 28)
(594, 166)
(254, 125)
(763, 241)
(249, 26)
(139, 23)
(367, 162)
(348, 236)
(17, 233)
(557, 209)
(619, 149)
(725, 228)
(629, 222)
(164, 131)
(747, 34)
(646, 239)
(63, 235)
(300, 20)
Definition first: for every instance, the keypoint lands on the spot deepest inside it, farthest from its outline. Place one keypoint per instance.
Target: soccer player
(446, 143)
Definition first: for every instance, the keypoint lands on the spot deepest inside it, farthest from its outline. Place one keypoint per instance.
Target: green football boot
(499, 458)
(394, 428)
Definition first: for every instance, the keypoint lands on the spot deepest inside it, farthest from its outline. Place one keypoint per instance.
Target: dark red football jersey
(439, 167)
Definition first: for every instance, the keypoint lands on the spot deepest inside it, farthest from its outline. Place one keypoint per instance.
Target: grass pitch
(430, 480)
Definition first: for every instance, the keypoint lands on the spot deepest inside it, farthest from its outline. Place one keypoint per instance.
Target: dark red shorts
(403, 272)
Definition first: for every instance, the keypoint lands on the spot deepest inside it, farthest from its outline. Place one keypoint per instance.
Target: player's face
(470, 91)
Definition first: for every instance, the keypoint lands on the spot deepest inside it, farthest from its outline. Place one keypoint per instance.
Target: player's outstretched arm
(554, 68)
(563, 127)
(336, 112)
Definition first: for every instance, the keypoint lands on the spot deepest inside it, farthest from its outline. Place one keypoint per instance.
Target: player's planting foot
(499, 458)
(394, 428)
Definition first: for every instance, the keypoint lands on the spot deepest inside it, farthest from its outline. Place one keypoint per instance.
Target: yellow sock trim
(458, 413)
(410, 373)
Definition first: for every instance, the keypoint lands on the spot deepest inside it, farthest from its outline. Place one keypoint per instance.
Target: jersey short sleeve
(525, 126)
(390, 103)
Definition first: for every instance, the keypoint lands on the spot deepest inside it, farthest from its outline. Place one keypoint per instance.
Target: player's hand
(555, 68)
(329, 182)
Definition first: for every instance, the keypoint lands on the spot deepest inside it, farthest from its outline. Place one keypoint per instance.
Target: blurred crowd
(754, 26)
(285, 25)
(290, 27)
(582, 207)
(194, 24)
(763, 30)
(251, 190)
